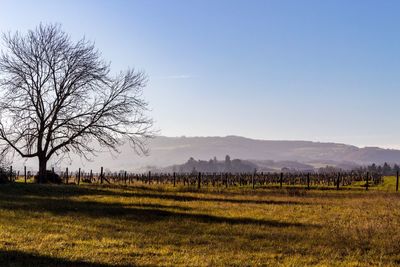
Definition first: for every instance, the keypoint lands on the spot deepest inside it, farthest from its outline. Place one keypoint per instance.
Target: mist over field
(164, 152)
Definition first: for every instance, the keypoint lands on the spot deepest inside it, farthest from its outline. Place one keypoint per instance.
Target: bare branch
(57, 96)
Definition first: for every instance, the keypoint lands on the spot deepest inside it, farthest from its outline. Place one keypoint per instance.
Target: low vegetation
(93, 225)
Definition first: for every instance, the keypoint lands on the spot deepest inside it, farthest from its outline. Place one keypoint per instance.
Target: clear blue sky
(297, 70)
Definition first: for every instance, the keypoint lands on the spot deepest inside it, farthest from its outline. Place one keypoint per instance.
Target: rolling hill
(167, 151)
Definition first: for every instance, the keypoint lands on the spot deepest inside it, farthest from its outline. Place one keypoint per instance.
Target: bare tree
(57, 96)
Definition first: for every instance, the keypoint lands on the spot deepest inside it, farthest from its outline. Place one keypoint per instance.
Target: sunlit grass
(44, 225)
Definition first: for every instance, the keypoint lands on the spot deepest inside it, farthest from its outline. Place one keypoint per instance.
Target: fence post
(252, 179)
(397, 181)
(174, 179)
(366, 184)
(308, 180)
(199, 181)
(66, 177)
(11, 170)
(149, 178)
(338, 181)
(281, 180)
(25, 173)
(101, 175)
(79, 176)
(125, 177)
(226, 180)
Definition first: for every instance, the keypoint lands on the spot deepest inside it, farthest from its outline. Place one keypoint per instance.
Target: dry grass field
(93, 225)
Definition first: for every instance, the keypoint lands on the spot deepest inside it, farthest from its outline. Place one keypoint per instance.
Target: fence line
(221, 179)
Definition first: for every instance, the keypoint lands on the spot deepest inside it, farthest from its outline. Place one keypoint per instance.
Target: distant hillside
(167, 151)
(171, 150)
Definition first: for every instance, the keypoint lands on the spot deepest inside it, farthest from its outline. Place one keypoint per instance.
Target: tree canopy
(57, 96)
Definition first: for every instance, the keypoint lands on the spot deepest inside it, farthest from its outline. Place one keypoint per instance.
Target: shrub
(4, 177)
(51, 177)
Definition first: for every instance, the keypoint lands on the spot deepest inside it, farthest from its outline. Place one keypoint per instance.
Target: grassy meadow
(93, 225)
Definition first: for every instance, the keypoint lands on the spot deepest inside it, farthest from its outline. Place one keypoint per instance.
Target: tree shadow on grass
(157, 192)
(48, 190)
(175, 196)
(71, 191)
(131, 212)
(183, 198)
(14, 258)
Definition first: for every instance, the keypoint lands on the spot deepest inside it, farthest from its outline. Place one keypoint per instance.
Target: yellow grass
(45, 225)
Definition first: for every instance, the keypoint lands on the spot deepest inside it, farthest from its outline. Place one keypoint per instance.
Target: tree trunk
(42, 170)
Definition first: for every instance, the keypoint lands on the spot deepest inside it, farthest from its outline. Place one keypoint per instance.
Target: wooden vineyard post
(101, 175)
(397, 181)
(79, 176)
(366, 184)
(66, 175)
(262, 180)
(125, 176)
(25, 174)
(308, 180)
(149, 177)
(199, 181)
(226, 180)
(338, 181)
(252, 179)
(11, 170)
(281, 180)
(174, 179)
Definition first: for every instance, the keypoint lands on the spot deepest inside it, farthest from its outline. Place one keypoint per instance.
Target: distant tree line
(384, 169)
(213, 165)
(244, 166)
